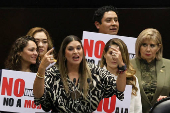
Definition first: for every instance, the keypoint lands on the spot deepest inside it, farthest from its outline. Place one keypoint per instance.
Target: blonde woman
(152, 70)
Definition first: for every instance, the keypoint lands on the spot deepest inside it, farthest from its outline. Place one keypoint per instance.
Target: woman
(152, 70)
(43, 40)
(74, 86)
(23, 55)
(115, 51)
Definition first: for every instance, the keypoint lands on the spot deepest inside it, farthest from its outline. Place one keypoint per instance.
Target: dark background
(84, 3)
(66, 17)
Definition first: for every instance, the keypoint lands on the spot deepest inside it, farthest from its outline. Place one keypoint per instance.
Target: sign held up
(17, 92)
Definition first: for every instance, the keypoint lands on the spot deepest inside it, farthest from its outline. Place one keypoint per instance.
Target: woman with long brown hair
(74, 85)
(115, 51)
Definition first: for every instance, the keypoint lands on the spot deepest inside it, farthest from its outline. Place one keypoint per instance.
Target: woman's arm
(106, 82)
(121, 79)
(38, 86)
(121, 82)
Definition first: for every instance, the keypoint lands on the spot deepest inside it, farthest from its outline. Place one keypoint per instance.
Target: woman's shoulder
(133, 60)
(164, 63)
(165, 60)
(91, 65)
(53, 71)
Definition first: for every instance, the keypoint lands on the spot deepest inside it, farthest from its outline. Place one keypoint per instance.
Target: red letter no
(18, 82)
(7, 86)
(99, 46)
(88, 48)
(112, 104)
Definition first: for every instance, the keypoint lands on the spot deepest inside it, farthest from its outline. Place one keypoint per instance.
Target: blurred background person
(43, 40)
(106, 20)
(152, 71)
(23, 55)
(114, 52)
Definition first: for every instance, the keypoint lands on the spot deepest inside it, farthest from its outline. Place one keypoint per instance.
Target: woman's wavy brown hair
(13, 61)
(130, 78)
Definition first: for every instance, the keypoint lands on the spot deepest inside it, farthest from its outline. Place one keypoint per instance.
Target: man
(106, 20)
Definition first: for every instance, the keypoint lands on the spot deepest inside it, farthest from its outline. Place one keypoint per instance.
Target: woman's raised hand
(117, 56)
(47, 59)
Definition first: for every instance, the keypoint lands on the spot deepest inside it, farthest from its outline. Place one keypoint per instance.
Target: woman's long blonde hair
(150, 34)
(130, 78)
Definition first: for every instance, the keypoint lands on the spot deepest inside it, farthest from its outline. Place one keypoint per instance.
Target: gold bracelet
(39, 76)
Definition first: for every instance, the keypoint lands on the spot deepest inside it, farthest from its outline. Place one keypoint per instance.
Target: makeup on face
(29, 53)
(148, 50)
(42, 42)
(74, 52)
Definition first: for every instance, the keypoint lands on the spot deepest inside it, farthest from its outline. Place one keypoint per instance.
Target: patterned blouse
(56, 99)
(149, 81)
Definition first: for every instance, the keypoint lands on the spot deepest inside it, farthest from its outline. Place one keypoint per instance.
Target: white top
(135, 103)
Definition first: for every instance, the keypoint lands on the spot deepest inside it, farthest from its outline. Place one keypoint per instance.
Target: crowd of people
(75, 85)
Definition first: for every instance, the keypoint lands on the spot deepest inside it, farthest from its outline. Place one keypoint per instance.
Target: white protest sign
(94, 43)
(17, 92)
(114, 105)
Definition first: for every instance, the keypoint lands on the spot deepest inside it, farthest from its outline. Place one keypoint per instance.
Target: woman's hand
(38, 87)
(161, 97)
(121, 79)
(117, 56)
(47, 59)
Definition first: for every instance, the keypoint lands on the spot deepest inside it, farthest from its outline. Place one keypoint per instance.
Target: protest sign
(114, 105)
(17, 92)
(94, 44)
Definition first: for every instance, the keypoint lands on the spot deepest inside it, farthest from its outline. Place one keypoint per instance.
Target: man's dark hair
(98, 14)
